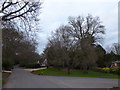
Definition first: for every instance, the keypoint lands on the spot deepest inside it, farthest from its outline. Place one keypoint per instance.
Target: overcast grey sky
(56, 12)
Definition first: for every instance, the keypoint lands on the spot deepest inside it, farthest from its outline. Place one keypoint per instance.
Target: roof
(116, 62)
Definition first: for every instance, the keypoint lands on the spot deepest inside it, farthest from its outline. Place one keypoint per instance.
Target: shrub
(108, 70)
(7, 65)
(97, 69)
(115, 70)
(30, 65)
(105, 69)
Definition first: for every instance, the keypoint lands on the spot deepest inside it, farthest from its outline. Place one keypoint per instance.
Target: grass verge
(115, 88)
(0, 81)
(75, 73)
(0, 78)
(5, 76)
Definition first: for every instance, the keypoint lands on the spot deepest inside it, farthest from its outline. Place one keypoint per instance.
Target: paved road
(24, 79)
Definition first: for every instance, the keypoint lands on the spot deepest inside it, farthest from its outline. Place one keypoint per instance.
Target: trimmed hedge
(31, 65)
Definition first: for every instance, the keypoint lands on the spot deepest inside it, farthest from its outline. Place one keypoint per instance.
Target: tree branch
(4, 17)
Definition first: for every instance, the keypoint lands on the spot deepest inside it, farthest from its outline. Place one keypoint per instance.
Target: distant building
(42, 62)
(115, 64)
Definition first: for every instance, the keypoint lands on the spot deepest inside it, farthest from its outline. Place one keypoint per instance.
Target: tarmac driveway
(24, 79)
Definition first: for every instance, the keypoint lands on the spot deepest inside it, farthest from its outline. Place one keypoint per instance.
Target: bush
(97, 69)
(7, 65)
(31, 65)
(34, 65)
(115, 70)
(106, 69)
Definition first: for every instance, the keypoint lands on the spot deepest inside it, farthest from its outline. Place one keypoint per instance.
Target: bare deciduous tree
(116, 48)
(22, 15)
(77, 40)
(89, 27)
(87, 31)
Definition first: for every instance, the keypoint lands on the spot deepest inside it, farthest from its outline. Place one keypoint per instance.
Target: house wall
(115, 65)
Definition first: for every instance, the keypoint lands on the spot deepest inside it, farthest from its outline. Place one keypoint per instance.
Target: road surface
(24, 79)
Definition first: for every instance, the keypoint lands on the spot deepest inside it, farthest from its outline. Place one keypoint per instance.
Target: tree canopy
(75, 44)
(20, 24)
(22, 15)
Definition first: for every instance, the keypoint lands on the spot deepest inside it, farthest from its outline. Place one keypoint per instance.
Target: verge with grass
(5, 76)
(75, 73)
(117, 88)
(0, 78)
(0, 81)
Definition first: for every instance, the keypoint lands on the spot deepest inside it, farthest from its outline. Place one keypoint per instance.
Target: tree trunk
(47, 66)
(85, 69)
(68, 70)
(63, 65)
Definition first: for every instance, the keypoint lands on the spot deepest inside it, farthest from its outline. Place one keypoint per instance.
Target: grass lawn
(114, 89)
(0, 78)
(75, 73)
(5, 77)
(0, 81)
